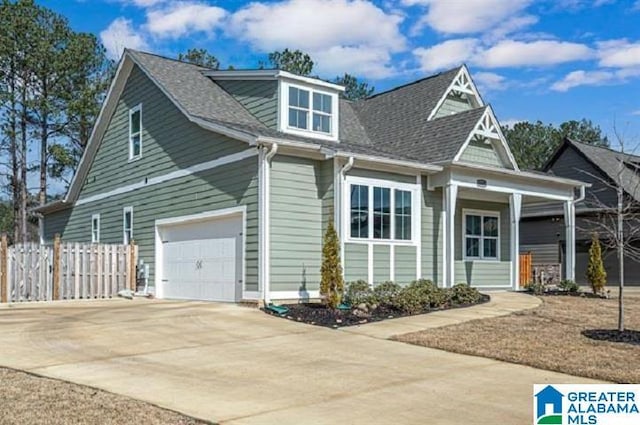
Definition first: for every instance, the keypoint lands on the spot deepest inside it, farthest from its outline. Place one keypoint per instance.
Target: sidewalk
(501, 304)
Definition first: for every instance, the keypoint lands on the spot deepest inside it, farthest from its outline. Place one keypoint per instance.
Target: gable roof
(608, 161)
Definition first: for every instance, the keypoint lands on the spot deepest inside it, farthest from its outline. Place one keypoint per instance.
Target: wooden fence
(64, 271)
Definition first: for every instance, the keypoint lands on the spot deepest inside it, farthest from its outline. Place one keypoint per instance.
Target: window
(359, 211)
(388, 210)
(135, 132)
(315, 116)
(403, 215)
(127, 225)
(481, 235)
(95, 228)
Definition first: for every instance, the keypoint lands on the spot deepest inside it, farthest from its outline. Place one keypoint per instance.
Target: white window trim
(284, 111)
(481, 213)
(137, 108)
(126, 210)
(414, 189)
(95, 232)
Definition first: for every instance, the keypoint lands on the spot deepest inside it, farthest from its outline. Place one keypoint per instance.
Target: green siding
(483, 273)
(259, 97)
(381, 263)
(452, 105)
(432, 233)
(169, 143)
(355, 262)
(481, 153)
(300, 192)
(227, 186)
(381, 175)
(405, 264)
(487, 272)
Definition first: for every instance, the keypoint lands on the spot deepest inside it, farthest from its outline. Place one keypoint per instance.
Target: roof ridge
(429, 77)
(606, 148)
(200, 67)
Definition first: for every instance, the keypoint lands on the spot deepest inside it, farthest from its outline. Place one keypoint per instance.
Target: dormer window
(305, 116)
(309, 111)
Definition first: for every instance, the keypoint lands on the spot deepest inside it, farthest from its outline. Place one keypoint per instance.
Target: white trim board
(473, 91)
(248, 153)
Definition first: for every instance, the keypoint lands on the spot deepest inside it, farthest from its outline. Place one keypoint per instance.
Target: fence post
(4, 269)
(133, 259)
(56, 267)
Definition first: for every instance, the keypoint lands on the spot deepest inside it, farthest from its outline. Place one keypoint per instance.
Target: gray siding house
(543, 225)
(228, 179)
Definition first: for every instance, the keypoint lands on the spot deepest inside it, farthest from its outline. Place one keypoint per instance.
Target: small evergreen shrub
(433, 296)
(537, 288)
(462, 293)
(410, 300)
(384, 293)
(596, 273)
(331, 282)
(568, 286)
(358, 292)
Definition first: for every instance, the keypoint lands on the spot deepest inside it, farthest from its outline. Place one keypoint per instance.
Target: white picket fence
(64, 271)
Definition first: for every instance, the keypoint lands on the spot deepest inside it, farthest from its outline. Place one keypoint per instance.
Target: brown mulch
(572, 335)
(29, 399)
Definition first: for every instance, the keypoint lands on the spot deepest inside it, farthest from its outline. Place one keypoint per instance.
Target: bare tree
(619, 225)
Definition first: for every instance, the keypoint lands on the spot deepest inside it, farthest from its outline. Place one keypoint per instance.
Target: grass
(28, 399)
(549, 337)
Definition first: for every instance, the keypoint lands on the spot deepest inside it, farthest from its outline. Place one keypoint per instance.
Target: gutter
(397, 162)
(266, 223)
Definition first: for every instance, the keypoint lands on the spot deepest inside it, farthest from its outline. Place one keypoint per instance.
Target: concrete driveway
(236, 365)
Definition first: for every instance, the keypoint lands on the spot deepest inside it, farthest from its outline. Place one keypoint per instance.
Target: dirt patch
(32, 400)
(552, 336)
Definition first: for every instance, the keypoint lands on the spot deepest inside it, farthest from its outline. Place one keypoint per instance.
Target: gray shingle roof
(609, 162)
(392, 124)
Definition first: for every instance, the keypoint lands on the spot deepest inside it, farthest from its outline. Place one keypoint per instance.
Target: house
(542, 227)
(227, 180)
(548, 397)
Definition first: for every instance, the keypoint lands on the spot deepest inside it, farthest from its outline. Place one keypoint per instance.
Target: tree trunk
(13, 148)
(620, 259)
(24, 139)
(44, 146)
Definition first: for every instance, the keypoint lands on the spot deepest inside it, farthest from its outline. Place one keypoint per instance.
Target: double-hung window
(127, 225)
(310, 110)
(95, 228)
(380, 213)
(481, 235)
(135, 132)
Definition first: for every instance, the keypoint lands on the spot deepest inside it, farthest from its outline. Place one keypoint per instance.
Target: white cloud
(447, 54)
(490, 81)
(142, 3)
(182, 18)
(619, 53)
(326, 29)
(510, 53)
(506, 53)
(594, 78)
(119, 35)
(636, 112)
(466, 17)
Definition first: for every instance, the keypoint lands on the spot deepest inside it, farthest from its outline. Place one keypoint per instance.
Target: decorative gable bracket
(462, 84)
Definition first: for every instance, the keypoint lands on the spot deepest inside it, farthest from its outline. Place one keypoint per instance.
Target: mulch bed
(613, 335)
(558, 293)
(318, 314)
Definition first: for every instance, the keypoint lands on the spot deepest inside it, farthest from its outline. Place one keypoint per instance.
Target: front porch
(481, 209)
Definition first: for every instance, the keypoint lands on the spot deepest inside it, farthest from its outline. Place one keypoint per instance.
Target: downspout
(581, 197)
(40, 228)
(340, 221)
(266, 219)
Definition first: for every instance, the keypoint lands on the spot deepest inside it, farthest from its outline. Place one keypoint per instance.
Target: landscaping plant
(385, 292)
(568, 285)
(595, 270)
(358, 292)
(331, 283)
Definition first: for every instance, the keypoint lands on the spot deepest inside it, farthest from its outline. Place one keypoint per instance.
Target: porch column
(450, 193)
(515, 208)
(570, 239)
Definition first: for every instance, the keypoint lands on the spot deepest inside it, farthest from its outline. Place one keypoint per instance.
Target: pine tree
(595, 270)
(332, 283)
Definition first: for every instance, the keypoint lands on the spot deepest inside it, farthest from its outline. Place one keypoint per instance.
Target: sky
(547, 60)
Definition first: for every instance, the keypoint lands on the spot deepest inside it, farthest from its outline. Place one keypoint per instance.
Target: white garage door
(203, 260)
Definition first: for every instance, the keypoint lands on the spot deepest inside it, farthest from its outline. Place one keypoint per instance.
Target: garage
(201, 257)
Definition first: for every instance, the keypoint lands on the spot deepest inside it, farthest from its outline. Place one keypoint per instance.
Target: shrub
(432, 295)
(384, 293)
(462, 293)
(538, 288)
(410, 300)
(595, 270)
(331, 283)
(358, 292)
(568, 286)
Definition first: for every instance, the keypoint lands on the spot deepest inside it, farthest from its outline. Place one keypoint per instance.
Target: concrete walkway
(502, 303)
(237, 365)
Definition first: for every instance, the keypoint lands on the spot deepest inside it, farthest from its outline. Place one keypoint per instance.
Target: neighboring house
(228, 179)
(543, 226)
